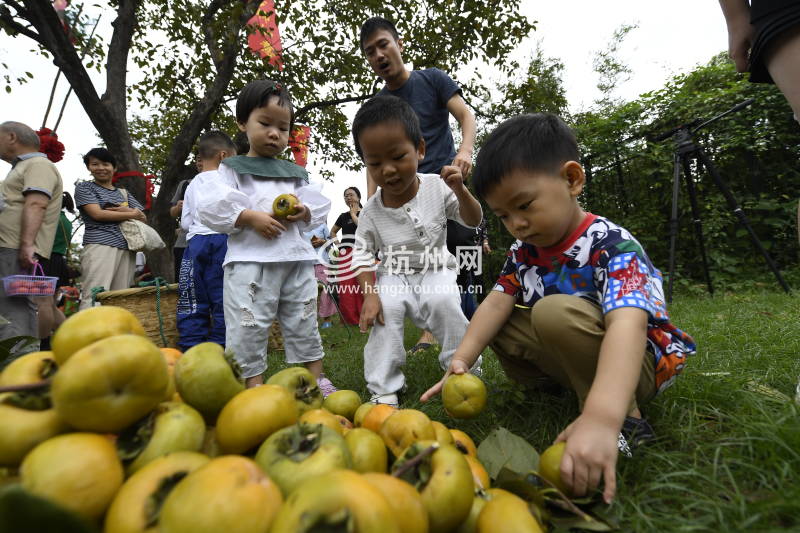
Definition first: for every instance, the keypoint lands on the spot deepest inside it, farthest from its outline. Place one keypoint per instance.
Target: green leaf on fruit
(505, 450)
(133, 440)
(33, 400)
(551, 506)
(12, 347)
(152, 509)
(22, 511)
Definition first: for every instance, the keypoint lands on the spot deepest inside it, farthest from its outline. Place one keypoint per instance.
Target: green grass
(727, 456)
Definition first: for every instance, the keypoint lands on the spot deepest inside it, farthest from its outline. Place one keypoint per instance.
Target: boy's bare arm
(176, 209)
(489, 318)
(371, 309)
(740, 32)
(468, 207)
(591, 452)
(466, 120)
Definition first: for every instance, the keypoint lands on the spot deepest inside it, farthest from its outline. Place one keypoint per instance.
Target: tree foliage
(755, 150)
(630, 175)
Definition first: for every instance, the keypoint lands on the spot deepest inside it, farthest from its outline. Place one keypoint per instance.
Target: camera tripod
(686, 150)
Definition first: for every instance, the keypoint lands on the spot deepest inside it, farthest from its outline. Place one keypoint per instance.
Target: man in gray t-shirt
(431, 93)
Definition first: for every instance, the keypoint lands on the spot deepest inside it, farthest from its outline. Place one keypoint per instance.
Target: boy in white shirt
(269, 266)
(406, 221)
(200, 315)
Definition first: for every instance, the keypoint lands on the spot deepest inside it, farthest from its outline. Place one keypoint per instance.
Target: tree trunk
(161, 262)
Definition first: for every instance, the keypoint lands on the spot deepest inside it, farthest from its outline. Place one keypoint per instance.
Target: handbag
(139, 236)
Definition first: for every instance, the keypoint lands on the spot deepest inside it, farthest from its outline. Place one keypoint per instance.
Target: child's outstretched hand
(453, 177)
(371, 311)
(591, 454)
(301, 213)
(456, 367)
(264, 224)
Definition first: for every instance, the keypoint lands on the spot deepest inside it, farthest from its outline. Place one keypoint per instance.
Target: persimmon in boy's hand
(453, 177)
(371, 312)
(301, 212)
(591, 453)
(457, 366)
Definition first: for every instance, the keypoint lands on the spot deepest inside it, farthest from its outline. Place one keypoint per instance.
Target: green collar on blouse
(266, 167)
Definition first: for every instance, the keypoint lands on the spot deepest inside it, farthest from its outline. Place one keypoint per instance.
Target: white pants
(253, 295)
(432, 301)
(105, 266)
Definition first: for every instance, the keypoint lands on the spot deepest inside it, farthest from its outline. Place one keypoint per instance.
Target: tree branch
(41, 15)
(325, 103)
(8, 19)
(209, 36)
(225, 65)
(115, 99)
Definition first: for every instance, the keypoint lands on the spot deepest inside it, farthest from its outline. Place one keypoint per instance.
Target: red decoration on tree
(264, 39)
(49, 145)
(298, 142)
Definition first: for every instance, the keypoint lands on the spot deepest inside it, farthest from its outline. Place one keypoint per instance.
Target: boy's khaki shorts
(560, 338)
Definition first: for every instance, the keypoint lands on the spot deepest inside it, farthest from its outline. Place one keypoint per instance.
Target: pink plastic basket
(33, 285)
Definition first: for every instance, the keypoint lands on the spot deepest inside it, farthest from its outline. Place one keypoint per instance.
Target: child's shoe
(388, 399)
(325, 386)
(622, 444)
(637, 431)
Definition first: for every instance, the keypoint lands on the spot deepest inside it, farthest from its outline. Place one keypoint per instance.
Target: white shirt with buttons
(410, 238)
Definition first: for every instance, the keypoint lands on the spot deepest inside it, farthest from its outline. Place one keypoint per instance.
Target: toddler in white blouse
(406, 221)
(269, 265)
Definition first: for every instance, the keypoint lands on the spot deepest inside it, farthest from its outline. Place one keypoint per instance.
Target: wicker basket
(142, 303)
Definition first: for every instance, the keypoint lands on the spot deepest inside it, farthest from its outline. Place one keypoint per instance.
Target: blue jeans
(200, 312)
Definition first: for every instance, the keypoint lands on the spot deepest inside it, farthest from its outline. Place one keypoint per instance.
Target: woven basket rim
(139, 291)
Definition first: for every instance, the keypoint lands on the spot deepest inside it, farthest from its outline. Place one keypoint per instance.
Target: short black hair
(67, 202)
(358, 193)
(257, 93)
(536, 142)
(213, 142)
(355, 190)
(241, 142)
(375, 24)
(102, 154)
(385, 108)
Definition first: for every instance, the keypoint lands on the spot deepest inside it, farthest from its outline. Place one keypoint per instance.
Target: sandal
(420, 347)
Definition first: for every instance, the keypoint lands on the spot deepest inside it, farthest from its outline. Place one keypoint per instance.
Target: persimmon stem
(417, 459)
(25, 387)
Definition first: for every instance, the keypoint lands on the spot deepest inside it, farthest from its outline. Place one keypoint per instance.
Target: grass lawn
(727, 456)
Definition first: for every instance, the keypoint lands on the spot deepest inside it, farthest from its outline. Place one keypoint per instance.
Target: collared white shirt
(412, 237)
(197, 188)
(231, 193)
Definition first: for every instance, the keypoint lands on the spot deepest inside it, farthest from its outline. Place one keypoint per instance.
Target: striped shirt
(95, 231)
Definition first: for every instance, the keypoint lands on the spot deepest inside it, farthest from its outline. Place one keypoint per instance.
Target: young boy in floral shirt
(578, 300)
